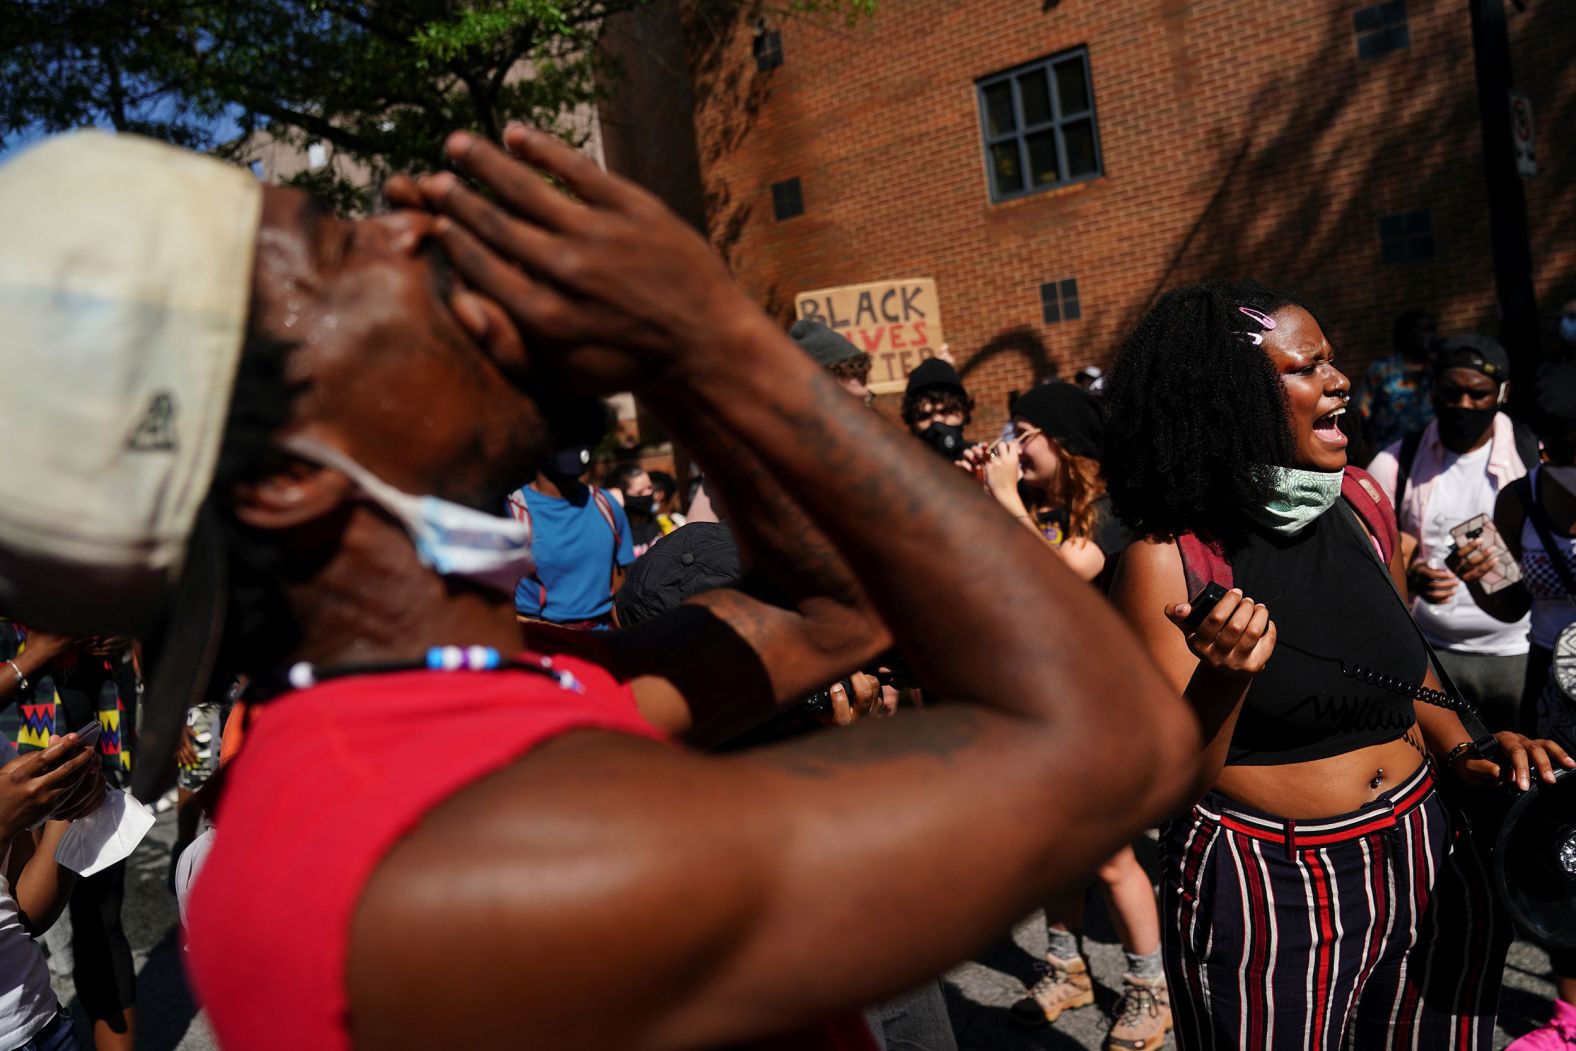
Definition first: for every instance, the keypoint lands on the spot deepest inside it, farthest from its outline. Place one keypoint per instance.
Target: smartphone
(1202, 603)
(88, 736)
(1482, 529)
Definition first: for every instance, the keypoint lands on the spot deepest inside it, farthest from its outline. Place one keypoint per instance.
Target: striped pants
(1374, 930)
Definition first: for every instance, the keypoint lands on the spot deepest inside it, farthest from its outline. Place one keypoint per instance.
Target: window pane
(1078, 137)
(1005, 168)
(1049, 309)
(1070, 309)
(1392, 227)
(1399, 37)
(999, 118)
(1422, 247)
(1071, 87)
(1367, 19)
(1393, 13)
(1070, 288)
(1418, 223)
(1035, 88)
(1043, 167)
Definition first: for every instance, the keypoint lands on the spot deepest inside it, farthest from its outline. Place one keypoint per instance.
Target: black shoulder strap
(1551, 547)
(1482, 741)
(1526, 445)
(1403, 473)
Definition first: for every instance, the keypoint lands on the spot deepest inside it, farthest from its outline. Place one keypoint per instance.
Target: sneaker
(1558, 1035)
(1065, 985)
(1142, 1017)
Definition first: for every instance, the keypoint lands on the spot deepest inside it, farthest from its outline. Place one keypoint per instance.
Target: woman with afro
(1320, 894)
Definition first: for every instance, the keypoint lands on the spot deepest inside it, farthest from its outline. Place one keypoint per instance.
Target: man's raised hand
(607, 287)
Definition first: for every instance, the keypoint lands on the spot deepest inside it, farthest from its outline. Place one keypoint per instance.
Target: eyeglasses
(1022, 437)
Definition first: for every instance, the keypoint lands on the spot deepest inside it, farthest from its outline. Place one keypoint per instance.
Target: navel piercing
(1378, 778)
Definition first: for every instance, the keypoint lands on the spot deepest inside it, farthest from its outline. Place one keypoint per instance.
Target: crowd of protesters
(478, 740)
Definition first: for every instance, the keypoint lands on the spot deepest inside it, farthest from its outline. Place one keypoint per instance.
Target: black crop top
(1331, 602)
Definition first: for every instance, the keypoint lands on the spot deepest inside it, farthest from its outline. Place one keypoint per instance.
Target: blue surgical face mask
(1300, 497)
(1568, 329)
(451, 539)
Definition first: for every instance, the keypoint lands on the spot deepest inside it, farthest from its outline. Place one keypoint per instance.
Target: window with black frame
(1039, 125)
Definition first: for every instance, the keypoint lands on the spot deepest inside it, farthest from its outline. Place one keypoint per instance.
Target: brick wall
(1238, 137)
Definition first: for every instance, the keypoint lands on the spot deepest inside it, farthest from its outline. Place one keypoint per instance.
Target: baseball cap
(694, 558)
(125, 283)
(1472, 350)
(933, 372)
(821, 343)
(125, 280)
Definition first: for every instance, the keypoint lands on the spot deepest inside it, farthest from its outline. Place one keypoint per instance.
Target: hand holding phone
(1481, 555)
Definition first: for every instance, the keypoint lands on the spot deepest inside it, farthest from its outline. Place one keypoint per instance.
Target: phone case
(1506, 571)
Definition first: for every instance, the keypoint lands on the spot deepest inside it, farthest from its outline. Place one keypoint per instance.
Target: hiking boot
(1065, 985)
(1142, 1016)
(1558, 1035)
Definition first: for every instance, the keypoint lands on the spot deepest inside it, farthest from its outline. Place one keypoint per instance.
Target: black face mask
(641, 506)
(945, 438)
(568, 463)
(1460, 428)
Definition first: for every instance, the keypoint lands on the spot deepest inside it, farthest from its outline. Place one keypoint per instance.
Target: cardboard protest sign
(898, 323)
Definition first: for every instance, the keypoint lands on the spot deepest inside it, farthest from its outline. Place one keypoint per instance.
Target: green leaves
(376, 84)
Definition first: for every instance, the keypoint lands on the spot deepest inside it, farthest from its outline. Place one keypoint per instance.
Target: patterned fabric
(94, 681)
(1374, 930)
(1393, 400)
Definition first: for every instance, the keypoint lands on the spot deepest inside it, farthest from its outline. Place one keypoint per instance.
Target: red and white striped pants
(1374, 930)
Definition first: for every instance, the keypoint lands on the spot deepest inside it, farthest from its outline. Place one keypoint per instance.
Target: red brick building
(1331, 147)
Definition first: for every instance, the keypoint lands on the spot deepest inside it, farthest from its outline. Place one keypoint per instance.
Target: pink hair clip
(1264, 320)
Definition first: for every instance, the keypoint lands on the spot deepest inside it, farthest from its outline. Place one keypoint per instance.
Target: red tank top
(328, 781)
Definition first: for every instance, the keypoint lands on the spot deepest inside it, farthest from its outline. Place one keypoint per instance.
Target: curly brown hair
(854, 368)
(1079, 486)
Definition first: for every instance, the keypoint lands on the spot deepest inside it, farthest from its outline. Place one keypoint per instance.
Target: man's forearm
(937, 558)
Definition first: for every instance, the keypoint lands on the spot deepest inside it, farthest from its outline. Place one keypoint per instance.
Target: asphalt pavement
(978, 992)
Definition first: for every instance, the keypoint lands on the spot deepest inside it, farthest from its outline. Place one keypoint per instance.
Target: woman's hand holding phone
(1235, 638)
(63, 781)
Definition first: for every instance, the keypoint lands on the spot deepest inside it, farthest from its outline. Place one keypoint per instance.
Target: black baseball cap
(1473, 350)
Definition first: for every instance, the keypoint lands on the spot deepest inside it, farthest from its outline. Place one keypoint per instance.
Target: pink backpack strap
(605, 505)
(1202, 562)
(1359, 489)
(522, 513)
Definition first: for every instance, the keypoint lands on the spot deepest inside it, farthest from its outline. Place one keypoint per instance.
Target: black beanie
(933, 372)
(821, 343)
(1067, 413)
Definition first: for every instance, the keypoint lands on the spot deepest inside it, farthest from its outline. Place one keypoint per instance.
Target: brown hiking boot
(1066, 985)
(1142, 1016)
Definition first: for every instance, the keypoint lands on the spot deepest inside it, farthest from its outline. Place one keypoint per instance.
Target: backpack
(522, 513)
(1205, 560)
(1526, 448)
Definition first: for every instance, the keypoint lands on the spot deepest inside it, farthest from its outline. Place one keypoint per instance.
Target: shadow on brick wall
(1331, 178)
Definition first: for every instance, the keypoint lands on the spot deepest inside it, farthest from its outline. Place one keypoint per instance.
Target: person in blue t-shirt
(581, 540)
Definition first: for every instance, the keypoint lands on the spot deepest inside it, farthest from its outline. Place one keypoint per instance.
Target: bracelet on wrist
(1456, 753)
(21, 680)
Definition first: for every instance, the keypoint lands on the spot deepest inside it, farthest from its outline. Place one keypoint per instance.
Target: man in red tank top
(441, 834)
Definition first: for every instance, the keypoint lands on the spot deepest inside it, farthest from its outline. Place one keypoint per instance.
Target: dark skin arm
(1212, 668)
(1442, 730)
(731, 658)
(774, 887)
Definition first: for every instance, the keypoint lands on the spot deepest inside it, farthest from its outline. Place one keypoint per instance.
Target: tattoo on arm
(937, 734)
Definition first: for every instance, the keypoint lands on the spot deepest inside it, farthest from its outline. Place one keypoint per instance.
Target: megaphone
(1535, 861)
